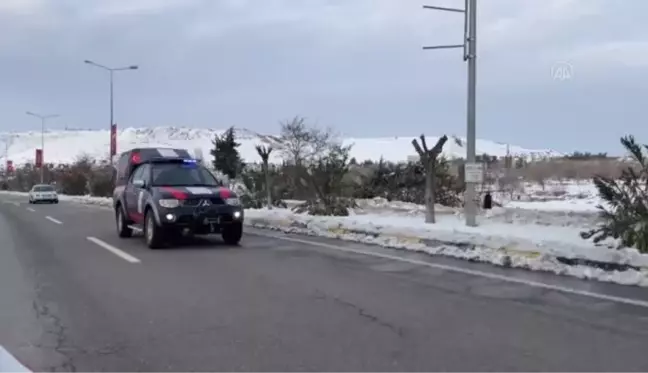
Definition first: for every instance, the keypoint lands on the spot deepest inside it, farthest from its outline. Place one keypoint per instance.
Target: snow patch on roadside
(508, 251)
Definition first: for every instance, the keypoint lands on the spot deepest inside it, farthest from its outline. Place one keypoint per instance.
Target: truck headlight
(169, 203)
(233, 201)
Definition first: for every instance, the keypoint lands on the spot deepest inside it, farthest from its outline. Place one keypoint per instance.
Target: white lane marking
(472, 272)
(135, 228)
(53, 220)
(9, 363)
(16, 203)
(124, 255)
(30, 209)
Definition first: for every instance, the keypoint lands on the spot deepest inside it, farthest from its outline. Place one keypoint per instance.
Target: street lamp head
(87, 61)
(133, 67)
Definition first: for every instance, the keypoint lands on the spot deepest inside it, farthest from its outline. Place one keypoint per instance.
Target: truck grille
(196, 201)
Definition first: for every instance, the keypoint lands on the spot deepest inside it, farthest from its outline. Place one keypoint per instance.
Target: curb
(503, 256)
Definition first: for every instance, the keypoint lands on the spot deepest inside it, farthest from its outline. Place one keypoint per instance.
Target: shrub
(626, 216)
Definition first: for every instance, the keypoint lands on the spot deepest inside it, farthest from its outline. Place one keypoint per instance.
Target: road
(75, 297)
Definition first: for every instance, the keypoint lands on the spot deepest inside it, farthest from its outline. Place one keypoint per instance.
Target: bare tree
(301, 146)
(429, 159)
(300, 143)
(264, 153)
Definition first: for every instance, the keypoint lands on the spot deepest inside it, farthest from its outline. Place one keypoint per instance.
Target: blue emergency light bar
(192, 161)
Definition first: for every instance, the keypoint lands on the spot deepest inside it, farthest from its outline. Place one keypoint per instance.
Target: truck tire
(152, 233)
(232, 233)
(123, 230)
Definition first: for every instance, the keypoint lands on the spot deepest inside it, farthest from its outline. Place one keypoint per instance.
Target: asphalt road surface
(74, 296)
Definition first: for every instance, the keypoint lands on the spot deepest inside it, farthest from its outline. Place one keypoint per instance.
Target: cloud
(613, 54)
(20, 7)
(353, 64)
(117, 8)
(534, 21)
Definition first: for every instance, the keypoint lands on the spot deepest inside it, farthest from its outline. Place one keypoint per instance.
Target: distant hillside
(66, 146)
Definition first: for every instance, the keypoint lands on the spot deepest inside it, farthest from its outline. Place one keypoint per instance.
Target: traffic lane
(273, 305)
(99, 222)
(21, 331)
(515, 274)
(64, 268)
(201, 262)
(96, 218)
(285, 291)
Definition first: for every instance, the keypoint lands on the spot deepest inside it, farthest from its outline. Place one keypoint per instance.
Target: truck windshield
(179, 174)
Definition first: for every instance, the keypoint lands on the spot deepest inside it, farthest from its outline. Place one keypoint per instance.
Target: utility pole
(472, 170)
(111, 71)
(43, 118)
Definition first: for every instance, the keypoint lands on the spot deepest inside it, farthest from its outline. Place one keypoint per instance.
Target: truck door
(135, 195)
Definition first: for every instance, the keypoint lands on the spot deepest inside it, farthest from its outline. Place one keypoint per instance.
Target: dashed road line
(53, 220)
(120, 253)
(15, 203)
(471, 272)
(30, 209)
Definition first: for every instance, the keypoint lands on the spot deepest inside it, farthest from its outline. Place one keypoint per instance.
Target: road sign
(473, 173)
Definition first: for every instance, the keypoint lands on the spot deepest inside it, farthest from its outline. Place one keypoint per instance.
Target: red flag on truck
(10, 167)
(39, 158)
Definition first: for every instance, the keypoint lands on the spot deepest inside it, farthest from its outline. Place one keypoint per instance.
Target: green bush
(626, 216)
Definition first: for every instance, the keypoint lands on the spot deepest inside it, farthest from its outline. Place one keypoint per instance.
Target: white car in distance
(43, 193)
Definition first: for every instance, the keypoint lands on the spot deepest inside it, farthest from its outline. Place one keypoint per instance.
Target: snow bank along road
(73, 296)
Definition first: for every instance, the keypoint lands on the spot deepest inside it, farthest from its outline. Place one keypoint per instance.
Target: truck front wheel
(232, 233)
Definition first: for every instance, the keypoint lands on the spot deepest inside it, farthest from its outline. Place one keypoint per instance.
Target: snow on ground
(516, 245)
(65, 146)
(519, 236)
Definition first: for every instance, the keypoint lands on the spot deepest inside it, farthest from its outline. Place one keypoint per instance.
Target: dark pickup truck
(164, 192)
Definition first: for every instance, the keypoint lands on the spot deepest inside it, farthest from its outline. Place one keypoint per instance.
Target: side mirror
(139, 183)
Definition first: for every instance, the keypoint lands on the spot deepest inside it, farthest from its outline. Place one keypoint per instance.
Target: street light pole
(471, 208)
(43, 118)
(470, 55)
(112, 103)
(111, 70)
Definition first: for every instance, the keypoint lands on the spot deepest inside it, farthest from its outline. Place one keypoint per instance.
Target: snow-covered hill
(66, 146)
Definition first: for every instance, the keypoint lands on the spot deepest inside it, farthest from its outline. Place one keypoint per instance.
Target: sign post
(473, 173)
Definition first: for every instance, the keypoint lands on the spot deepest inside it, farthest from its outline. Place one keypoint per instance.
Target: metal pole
(470, 203)
(42, 168)
(112, 120)
(111, 100)
(42, 118)
(470, 55)
(111, 70)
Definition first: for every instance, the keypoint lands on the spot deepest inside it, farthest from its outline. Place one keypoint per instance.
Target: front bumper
(44, 198)
(200, 220)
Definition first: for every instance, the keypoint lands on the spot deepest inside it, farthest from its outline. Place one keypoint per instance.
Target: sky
(570, 75)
